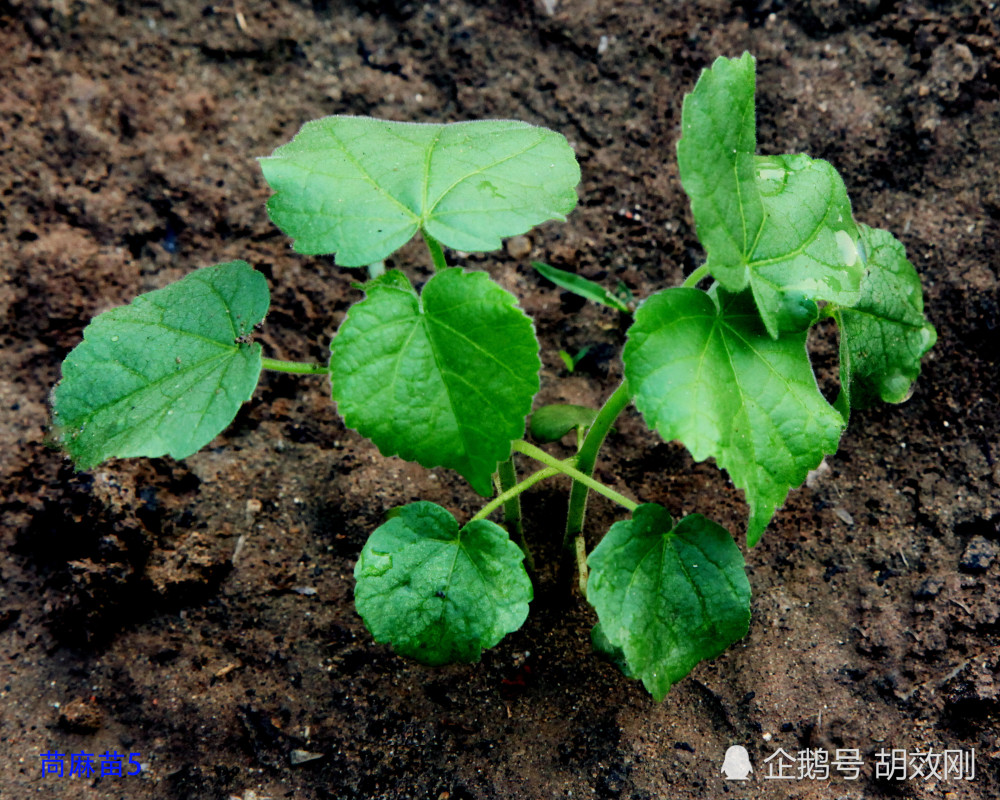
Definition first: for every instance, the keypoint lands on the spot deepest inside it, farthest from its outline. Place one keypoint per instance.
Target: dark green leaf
(667, 596)
(885, 335)
(439, 594)
(165, 374)
(705, 371)
(445, 378)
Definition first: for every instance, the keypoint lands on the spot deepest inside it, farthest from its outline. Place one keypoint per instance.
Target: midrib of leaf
(222, 301)
(496, 360)
(657, 549)
(182, 331)
(364, 174)
(480, 171)
(763, 262)
(427, 174)
(161, 412)
(155, 383)
(913, 325)
(751, 107)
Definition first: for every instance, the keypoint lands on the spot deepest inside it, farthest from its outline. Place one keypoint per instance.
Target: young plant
(446, 376)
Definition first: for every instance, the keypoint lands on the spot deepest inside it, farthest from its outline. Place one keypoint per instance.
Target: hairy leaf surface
(705, 371)
(779, 224)
(165, 374)
(361, 187)
(439, 594)
(444, 378)
(885, 335)
(667, 596)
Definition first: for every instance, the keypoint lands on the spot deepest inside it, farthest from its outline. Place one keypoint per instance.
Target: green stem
(694, 277)
(578, 477)
(507, 472)
(514, 491)
(375, 270)
(437, 253)
(297, 367)
(587, 457)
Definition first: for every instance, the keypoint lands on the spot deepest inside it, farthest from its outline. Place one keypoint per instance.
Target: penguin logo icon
(736, 764)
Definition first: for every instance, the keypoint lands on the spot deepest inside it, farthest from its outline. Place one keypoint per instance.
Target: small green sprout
(446, 375)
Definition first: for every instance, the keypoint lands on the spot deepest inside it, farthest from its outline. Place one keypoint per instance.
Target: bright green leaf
(550, 423)
(439, 594)
(667, 596)
(580, 286)
(362, 187)
(705, 371)
(778, 223)
(885, 335)
(165, 374)
(444, 378)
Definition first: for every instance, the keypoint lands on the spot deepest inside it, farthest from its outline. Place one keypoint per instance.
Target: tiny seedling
(446, 375)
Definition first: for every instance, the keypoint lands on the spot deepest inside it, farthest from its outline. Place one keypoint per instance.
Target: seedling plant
(445, 375)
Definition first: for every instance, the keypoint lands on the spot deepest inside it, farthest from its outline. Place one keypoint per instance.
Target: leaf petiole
(538, 454)
(437, 252)
(514, 491)
(695, 277)
(296, 367)
(587, 457)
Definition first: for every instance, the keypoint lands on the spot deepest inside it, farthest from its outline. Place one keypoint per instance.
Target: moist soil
(198, 614)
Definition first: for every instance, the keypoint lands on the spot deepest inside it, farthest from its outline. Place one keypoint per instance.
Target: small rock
(518, 247)
(80, 716)
(978, 556)
(844, 516)
(302, 756)
(931, 587)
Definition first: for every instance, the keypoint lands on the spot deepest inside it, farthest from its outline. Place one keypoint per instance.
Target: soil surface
(199, 614)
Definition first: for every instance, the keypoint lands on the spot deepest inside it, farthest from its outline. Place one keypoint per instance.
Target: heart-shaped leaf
(362, 187)
(705, 371)
(439, 594)
(667, 596)
(165, 374)
(444, 378)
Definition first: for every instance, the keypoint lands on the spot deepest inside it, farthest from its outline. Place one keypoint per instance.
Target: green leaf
(580, 286)
(362, 187)
(165, 374)
(776, 223)
(550, 423)
(885, 335)
(444, 378)
(667, 596)
(705, 371)
(439, 594)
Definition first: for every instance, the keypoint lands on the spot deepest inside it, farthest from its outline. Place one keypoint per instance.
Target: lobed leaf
(439, 594)
(705, 371)
(361, 187)
(444, 378)
(667, 596)
(884, 336)
(780, 224)
(165, 374)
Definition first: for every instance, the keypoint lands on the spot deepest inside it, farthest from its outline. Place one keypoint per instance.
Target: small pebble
(302, 756)
(978, 556)
(518, 246)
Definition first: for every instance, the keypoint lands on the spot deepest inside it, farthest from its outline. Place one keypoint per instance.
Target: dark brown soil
(200, 613)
